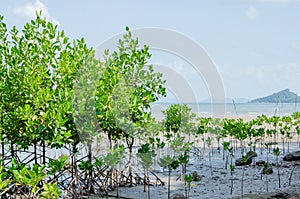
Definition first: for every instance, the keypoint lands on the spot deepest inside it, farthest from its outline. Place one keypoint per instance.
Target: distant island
(284, 96)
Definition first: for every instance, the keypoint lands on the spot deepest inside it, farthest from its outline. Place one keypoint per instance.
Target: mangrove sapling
(29, 181)
(226, 149)
(267, 147)
(146, 158)
(261, 133)
(183, 161)
(298, 133)
(265, 171)
(217, 130)
(30, 177)
(112, 159)
(245, 159)
(183, 158)
(208, 141)
(171, 163)
(232, 167)
(56, 166)
(87, 167)
(177, 128)
(4, 181)
(276, 152)
(50, 191)
(296, 124)
(285, 130)
(187, 185)
(202, 129)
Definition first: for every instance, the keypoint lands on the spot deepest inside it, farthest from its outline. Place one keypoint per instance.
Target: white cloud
(29, 10)
(252, 13)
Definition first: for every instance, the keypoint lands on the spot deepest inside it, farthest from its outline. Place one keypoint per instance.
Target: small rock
(239, 162)
(294, 156)
(178, 196)
(267, 170)
(251, 154)
(260, 162)
(196, 176)
(282, 195)
(285, 166)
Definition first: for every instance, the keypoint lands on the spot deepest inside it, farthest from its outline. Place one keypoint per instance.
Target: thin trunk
(223, 154)
(74, 166)
(90, 172)
(169, 184)
(44, 152)
(261, 145)
(35, 153)
(278, 172)
(267, 182)
(288, 145)
(283, 148)
(290, 178)
(145, 180)
(209, 156)
(231, 173)
(117, 185)
(242, 185)
(235, 144)
(185, 189)
(12, 151)
(3, 151)
(148, 186)
(226, 162)
(181, 172)
(231, 188)
(130, 141)
(242, 147)
(111, 169)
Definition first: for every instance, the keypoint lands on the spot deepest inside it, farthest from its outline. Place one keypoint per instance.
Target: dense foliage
(50, 89)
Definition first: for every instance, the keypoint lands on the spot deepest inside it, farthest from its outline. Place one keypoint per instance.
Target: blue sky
(254, 43)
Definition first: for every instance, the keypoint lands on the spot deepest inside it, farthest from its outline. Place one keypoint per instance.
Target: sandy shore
(217, 185)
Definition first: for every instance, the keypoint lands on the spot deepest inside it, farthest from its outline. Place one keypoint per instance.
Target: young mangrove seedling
(276, 152)
(187, 185)
(232, 167)
(245, 159)
(171, 163)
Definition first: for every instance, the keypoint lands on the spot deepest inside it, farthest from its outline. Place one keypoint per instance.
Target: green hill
(284, 96)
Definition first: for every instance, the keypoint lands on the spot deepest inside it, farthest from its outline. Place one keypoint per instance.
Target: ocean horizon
(204, 109)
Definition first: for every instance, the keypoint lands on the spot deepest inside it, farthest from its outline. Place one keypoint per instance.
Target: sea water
(232, 110)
